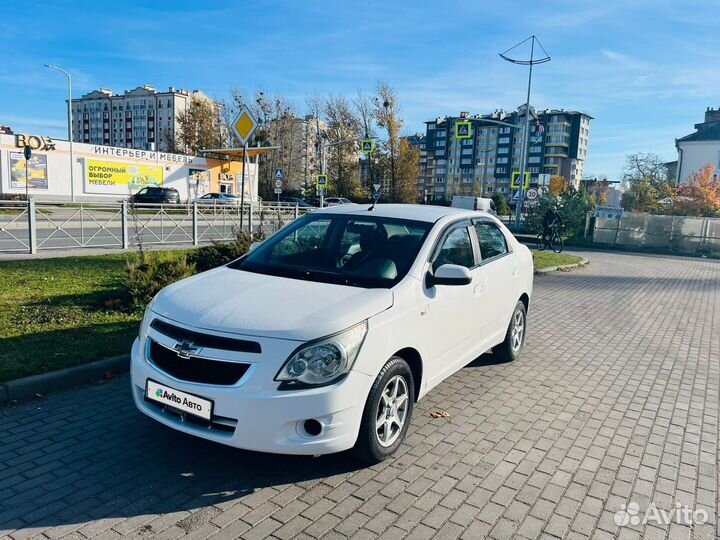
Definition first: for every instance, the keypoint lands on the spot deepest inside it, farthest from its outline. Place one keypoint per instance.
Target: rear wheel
(387, 412)
(510, 348)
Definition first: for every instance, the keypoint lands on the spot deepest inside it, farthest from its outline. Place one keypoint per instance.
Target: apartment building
(483, 163)
(142, 118)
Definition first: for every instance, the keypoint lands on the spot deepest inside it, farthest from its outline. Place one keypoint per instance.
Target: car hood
(251, 304)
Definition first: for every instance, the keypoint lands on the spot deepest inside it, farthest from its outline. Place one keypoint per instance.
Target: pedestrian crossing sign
(463, 130)
(514, 181)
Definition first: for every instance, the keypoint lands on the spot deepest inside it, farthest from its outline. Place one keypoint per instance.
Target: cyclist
(551, 222)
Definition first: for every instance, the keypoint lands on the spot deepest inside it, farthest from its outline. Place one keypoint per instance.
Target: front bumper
(254, 415)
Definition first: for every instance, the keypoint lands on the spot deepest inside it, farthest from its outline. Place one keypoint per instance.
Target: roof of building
(711, 133)
(501, 115)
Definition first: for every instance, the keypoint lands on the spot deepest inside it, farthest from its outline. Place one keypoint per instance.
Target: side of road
(44, 383)
(561, 267)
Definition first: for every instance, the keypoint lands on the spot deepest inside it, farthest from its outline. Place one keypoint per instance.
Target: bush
(219, 253)
(149, 273)
(572, 206)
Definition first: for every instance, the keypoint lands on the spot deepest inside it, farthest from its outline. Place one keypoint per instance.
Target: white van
(474, 203)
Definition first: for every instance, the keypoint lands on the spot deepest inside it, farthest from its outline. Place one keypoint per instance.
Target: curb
(30, 387)
(549, 269)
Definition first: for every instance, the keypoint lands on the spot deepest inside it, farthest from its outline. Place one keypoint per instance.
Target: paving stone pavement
(615, 400)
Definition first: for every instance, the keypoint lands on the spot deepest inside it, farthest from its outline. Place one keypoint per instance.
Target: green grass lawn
(546, 259)
(54, 313)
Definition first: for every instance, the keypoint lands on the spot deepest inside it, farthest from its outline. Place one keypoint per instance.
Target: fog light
(312, 427)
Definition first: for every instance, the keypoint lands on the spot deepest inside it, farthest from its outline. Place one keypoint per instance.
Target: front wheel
(540, 241)
(387, 412)
(510, 348)
(557, 243)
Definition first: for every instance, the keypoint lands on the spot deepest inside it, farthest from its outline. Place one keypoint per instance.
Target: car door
(452, 314)
(499, 265)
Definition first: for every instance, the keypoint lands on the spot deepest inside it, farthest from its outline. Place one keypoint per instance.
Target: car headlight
(145, 324)
(323, 361)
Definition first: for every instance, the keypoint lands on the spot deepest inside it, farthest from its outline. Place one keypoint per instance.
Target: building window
(504, 140)
(503, 150)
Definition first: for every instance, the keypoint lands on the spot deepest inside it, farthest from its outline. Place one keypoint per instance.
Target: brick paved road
(614, 400)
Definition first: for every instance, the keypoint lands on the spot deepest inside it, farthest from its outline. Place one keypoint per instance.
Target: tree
(642, 167)
(501, 205)
(401, 182)
(645, 183)
(407, 165)
(199, 127)
(701, 195)
(342, 132)
(573, 208)
(557, 185)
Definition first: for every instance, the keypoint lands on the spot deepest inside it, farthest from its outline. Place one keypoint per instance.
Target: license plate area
(179, 401)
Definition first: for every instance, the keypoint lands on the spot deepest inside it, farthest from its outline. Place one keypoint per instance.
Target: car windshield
(367, 251)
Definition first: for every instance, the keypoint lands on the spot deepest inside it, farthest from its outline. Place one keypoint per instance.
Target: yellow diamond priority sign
(244, 125)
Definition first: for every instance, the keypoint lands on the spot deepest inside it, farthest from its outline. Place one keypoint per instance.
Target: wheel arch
(414, 360)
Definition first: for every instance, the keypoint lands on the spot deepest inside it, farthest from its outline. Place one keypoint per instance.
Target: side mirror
(449, 274)
(253, 246)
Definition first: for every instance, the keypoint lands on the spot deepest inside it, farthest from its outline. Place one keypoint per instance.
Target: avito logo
(159, 392)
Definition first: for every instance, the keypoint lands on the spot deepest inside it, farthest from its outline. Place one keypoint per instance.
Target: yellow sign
(120, 178)
(322, 181)
(244, 125)
(514, 184)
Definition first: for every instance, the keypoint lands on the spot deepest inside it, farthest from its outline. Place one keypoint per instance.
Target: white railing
(29, 226)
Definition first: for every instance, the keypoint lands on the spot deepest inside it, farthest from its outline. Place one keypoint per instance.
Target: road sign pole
(27, 196)
(242, 187)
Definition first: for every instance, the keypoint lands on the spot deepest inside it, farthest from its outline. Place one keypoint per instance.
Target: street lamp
(523, 155)
(70, 120)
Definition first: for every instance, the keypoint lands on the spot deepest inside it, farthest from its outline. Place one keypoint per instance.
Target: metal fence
(681, 233)
(29, 226)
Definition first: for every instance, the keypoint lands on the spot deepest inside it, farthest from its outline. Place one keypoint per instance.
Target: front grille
(194, 369)
(205, 340)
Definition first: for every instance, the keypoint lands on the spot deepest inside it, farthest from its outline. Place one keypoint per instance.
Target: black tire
(540, 242)
(509, 350)
(557, 243)
(368, 446)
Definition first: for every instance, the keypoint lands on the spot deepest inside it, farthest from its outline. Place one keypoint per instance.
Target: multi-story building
(141, 118)
(298, 155)
(700, 148)
(483, 164)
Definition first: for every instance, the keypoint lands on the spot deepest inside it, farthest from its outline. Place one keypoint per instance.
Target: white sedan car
(323, 337)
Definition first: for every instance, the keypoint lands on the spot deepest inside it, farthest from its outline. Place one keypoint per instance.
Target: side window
(491, 239)
(455, 249)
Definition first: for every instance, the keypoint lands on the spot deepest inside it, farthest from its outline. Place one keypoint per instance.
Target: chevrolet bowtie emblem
(186, 348)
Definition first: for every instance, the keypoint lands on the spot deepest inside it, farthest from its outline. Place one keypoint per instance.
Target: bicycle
(554, 241)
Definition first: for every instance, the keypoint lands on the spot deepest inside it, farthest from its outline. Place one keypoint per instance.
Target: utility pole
(523, 155)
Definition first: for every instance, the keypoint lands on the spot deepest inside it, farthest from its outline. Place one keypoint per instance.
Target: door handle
(515, 272)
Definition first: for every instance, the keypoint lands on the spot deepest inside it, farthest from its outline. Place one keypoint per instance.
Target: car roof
(416, 212)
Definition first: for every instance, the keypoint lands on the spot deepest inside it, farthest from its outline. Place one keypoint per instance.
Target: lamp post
(70, 124)
(523, 155)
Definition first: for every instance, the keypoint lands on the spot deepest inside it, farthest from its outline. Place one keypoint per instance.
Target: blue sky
(646, 70)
